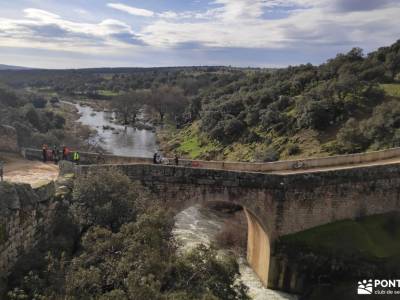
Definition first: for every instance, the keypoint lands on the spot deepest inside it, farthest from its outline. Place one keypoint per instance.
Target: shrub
(59, 122)
(39, 102)
(33, 117)
(269, 118)
(268, 154)
(293, 149)
(350, 139)
(106, 198)
(252, 137)
(315, 114)
(233, 128)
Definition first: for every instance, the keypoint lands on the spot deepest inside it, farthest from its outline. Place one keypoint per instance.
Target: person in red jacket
(44, 152)
(65, 153)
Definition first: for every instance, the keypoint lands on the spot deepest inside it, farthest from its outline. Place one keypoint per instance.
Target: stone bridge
(275, 204)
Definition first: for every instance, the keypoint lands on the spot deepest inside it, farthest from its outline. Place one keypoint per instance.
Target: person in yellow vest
(76, 157)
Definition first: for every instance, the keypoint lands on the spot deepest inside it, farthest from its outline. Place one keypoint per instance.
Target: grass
(392, 89)
(188, 141)
(107, 93)
(193, 145)
(368, 237)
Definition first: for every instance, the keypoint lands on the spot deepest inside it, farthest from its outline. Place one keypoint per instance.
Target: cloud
(306, 23)
(81, 11)
(46, 30)
(131, 10)
(360, 5)
(33, 13)
(260, 25)
(233, 9)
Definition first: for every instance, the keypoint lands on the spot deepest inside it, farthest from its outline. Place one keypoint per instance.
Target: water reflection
(122, 140)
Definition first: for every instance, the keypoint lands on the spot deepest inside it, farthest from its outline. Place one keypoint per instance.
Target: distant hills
(7, 67)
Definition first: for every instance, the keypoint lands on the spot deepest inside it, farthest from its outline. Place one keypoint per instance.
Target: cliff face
(25, 213)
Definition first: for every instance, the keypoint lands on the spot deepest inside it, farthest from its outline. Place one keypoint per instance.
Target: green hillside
(348, 104)
(374, 237)
(392, 89)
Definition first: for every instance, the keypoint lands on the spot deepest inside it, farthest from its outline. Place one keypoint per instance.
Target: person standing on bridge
(76, 157)
(56, 154)
(44, 152)
(176, 159)
(65, 153)
(155, 158)
(1, 171)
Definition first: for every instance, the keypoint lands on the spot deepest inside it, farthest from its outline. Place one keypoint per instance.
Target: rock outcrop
(25, 215)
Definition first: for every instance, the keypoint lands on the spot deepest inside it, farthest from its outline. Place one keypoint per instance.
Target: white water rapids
(197, 225)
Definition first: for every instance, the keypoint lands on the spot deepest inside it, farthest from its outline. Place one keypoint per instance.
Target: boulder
(8, 139)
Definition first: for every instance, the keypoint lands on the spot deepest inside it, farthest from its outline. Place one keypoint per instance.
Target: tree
(38, 102)
(350, 139)
(105, 197)
(128, 105)
(168, 100)
(393, 63)
(33, 117)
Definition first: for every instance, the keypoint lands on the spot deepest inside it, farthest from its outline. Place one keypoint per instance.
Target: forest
(348, 104)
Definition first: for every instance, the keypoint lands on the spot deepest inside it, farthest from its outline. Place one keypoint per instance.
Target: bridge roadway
(395, 160)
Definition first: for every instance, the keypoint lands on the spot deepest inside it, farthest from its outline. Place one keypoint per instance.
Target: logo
(365, 287)
(378, 287)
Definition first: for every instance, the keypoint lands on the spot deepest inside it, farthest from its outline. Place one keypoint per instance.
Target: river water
(194, 225)
(121, 140)
(197, 225)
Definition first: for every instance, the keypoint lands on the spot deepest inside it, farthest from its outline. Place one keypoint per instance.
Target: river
(194, 225)
(197, 225)
(117, 139)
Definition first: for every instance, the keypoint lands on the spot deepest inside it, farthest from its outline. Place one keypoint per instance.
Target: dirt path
(36, 173)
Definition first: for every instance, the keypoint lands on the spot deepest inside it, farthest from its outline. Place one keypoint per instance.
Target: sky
(148, 33)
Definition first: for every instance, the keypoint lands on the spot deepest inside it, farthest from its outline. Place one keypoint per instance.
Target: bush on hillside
(293, 149)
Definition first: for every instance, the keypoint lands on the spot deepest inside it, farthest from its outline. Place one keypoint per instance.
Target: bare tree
(167, 100)
(128, 105)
